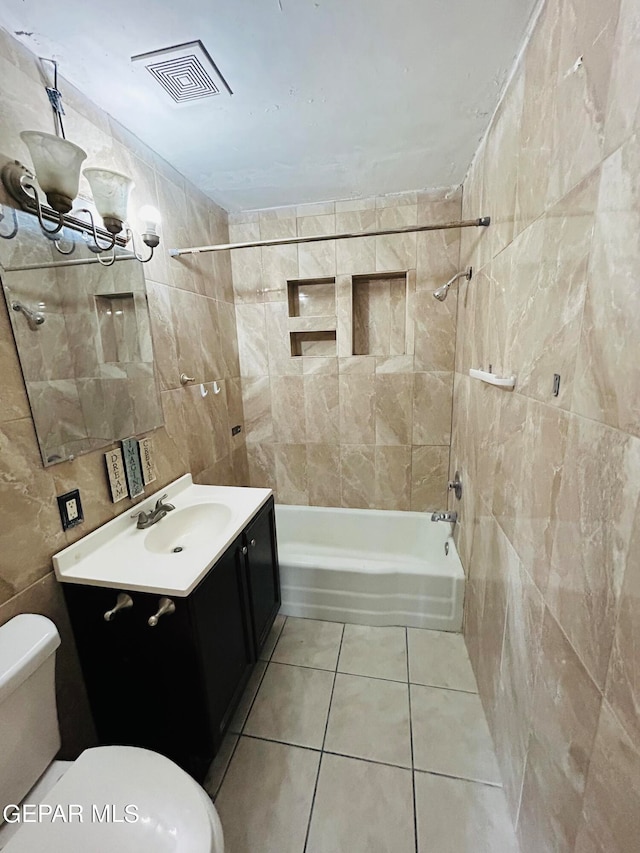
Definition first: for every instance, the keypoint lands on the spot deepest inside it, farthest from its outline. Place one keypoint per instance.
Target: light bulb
(150, 218)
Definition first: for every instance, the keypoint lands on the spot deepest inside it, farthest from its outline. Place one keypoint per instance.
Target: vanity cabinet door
(219, 610)
(263, 573)
(144, 684)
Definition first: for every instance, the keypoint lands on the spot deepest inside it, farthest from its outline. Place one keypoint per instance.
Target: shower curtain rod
(76, 262)
(483, 221)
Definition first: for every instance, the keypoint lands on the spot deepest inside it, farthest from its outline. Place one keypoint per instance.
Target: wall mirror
(83, 337)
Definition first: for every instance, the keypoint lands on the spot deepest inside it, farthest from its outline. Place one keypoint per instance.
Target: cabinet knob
(245, 550)
(166, 606)
(123, 602)
(253, 543)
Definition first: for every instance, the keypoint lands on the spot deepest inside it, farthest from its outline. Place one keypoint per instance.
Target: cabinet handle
(253, 543)
(123, 602)
(166, 606)
(245, 550)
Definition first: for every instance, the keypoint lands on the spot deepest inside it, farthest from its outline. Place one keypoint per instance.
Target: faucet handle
(160, 503)
(141, 514)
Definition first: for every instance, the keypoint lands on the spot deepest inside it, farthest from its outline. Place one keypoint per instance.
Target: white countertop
(115, 554)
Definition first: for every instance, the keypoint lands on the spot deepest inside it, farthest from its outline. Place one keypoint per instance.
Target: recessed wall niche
(312, 298)
(379, 314)
(312, 317)
(118, 326)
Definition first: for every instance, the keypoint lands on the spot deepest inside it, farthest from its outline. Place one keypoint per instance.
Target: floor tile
(377, 652)
(266, 797)
(292, 705)
(242, 711)
(272, 639)
(219, 766)
(456, 816)
(440, 659)
(309, 642)
(369, 718)
(450, 734)
(360, 808)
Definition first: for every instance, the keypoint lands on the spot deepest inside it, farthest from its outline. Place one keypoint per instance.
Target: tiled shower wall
(343, 429)
(550, 533)
(193, 327)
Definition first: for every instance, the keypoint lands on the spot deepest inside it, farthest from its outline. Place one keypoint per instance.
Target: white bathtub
(370, 567)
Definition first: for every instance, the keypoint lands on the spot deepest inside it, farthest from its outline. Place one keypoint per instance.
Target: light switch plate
(70, 509)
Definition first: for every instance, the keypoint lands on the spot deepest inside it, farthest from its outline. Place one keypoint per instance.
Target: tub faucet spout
(445, 516)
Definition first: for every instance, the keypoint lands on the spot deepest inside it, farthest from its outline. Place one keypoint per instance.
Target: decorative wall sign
(115, 472)
(132, 467)
(145, 446)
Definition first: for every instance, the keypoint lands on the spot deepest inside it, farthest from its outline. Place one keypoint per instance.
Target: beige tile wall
(345, 430)
(193, 327)
(550, 533)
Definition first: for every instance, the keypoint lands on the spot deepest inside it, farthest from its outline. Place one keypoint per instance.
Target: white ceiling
(332, 98)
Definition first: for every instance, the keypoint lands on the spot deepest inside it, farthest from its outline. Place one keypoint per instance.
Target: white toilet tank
(29, 734)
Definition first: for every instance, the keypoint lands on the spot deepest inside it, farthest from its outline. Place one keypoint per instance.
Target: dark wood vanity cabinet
(174, 687)
(263, 575)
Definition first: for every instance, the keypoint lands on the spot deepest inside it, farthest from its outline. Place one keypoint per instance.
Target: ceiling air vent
(186, 72)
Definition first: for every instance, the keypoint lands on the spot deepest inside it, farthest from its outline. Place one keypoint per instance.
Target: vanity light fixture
(57, 163)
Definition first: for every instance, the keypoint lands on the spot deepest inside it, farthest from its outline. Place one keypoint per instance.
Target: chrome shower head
(34, 318)
(441, 293)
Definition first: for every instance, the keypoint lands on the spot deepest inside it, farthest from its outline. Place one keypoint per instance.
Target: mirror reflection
(84, 341)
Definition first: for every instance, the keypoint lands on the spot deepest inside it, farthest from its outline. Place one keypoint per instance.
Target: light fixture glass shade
(111, 191)
(57, 165)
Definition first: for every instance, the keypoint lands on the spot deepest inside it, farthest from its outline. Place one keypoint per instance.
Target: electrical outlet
(70, 509)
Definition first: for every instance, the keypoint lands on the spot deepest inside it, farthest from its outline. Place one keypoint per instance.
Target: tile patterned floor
(352, 739)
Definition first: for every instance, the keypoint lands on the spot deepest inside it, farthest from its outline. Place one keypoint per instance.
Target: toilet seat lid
(172, 810)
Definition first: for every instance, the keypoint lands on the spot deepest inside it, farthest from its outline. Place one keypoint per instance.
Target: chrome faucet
(445, 516)
(148, 519)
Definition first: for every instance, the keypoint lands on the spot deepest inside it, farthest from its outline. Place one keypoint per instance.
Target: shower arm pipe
(482, 222)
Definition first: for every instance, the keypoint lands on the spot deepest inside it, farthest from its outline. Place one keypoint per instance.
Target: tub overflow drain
(177, 549)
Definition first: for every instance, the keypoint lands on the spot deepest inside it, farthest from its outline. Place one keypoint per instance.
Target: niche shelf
(118, 327)
(312, 317)
(319, 344)
(312, 297)
(379, 314)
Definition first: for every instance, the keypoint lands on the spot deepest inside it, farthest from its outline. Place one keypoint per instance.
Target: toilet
(111, 798)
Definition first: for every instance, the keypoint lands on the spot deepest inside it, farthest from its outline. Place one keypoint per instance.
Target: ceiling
(332, 98)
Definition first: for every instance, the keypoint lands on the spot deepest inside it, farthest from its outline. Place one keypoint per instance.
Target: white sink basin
(173, 556)
(193, 526)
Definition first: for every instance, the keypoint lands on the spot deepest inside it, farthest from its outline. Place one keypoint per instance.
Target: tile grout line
(441, 775)
(255, 696)
(380, 678)
(226, 769)
(413, 773)
(240, 733)
(371, 761)
(268, 663)
(322, 753)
